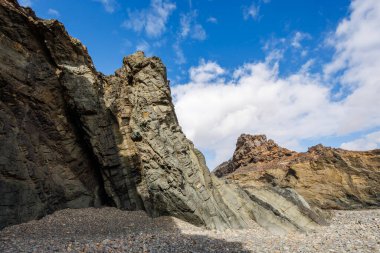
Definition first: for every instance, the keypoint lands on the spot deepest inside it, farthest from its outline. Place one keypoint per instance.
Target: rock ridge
(328, 178)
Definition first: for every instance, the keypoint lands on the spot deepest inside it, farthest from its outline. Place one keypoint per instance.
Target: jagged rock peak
(253, 149)
(257, 148)
(255, 140)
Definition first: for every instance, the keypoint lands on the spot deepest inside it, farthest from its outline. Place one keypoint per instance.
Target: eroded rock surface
(72, 137)
(327, 178)
(253, 150)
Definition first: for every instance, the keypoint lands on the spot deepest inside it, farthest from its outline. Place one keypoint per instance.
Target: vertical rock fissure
(101, 198)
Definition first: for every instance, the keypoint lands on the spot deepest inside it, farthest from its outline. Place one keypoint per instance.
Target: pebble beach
(112, 230)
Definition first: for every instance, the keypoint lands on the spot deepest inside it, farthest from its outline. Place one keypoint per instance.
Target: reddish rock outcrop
(253, 150)
(326, 177)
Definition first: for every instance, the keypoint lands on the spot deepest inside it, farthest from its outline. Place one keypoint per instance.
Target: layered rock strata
(72, 137)
(327, 178)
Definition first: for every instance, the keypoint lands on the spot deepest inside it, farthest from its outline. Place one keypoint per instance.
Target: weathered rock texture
(71, 137)
(327, 178)
(56, 137)
(253, 150)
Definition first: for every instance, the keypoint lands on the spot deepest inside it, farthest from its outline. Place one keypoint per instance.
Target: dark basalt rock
(71, 138)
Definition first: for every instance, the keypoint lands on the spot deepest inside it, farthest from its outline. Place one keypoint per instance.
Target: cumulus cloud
(218, 104)
(357, 44)
(109, 5)
(370, 141)
(214, 111)
(151, 20)
(205, 72)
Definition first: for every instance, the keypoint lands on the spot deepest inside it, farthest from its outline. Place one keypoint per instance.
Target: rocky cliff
(327, 178)
(72, 138)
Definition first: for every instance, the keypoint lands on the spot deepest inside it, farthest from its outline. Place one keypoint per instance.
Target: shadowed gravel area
(113, 230)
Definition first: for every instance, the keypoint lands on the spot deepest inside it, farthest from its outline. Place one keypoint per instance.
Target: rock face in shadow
(327, 178)
(46, 109)
(72, 138)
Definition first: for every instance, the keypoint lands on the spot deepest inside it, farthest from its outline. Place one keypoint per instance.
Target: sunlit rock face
(327, 178)
(72, 138)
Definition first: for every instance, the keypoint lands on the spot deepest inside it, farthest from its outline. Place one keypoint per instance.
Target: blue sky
(302, 72)
(230, 36)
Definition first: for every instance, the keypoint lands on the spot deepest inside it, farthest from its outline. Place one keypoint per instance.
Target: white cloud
(53, 12)
(26, 3)
(206, 72)
(368, 142)
(191, 28)
(298, 38)
(251, 12)
(217, 105)
(151, 20)
(357, 44)
(212, 20)
(109, 5)
(214, 111)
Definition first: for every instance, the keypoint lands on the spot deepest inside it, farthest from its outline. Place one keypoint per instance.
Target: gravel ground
(112, 230)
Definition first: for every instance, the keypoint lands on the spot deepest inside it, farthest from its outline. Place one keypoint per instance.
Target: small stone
(136, 136)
